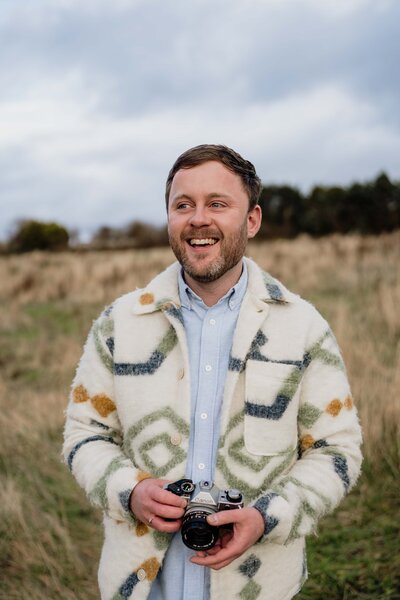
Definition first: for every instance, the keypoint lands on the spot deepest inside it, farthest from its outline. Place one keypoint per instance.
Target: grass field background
(50, 537)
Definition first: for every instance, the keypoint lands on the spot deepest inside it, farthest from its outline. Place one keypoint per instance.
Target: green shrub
(35, 235)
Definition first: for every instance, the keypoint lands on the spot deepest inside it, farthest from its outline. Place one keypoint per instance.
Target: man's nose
(200, 217)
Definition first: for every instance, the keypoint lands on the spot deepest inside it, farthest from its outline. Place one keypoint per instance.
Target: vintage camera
(204, 498)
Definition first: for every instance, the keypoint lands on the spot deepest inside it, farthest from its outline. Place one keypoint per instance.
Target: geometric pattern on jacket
(290, 437)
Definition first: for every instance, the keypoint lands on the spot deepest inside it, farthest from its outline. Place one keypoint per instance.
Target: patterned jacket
(289, 440)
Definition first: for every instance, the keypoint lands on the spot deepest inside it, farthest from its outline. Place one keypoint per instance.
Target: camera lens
(197, 534)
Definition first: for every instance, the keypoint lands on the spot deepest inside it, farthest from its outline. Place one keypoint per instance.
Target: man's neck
(212, 291)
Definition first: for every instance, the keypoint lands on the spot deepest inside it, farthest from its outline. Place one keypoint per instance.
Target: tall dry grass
(49, 537)
(353, 280)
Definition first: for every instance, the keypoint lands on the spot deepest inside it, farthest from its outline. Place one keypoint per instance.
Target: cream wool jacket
(290, 437)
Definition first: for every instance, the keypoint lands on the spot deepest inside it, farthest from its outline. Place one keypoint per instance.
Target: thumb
(222, 518)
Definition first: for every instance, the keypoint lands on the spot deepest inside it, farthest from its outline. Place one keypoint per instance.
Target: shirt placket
(202, 464)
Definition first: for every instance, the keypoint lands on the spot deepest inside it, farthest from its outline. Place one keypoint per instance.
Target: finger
(165, 526)
(222, 564)
(222, 555)
(166, 497)
(224, 517)
(211, 551)
(214, 562)
(165, 511)
(225, 538)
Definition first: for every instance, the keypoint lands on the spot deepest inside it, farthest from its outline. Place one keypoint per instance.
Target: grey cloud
(155, 77)
(159, 54)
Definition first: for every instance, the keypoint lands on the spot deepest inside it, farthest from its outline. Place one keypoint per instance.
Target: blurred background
(97, 100)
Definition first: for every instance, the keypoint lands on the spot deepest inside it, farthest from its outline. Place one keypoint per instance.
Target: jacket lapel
(252, 315)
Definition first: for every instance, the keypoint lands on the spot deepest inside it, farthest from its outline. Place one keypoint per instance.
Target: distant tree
(106, 237)
(134, 235)
(282, 208)
(366, 208)
(325, 211)
(387, 202)
(144, 235)
(35, 235)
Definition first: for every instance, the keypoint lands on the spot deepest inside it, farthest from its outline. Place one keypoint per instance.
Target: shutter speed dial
(234, 495)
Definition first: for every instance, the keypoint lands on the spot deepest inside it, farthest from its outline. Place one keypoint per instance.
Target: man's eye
(217, 204)
(182, 205)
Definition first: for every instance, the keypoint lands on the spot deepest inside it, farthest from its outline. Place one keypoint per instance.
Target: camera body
(203, 498)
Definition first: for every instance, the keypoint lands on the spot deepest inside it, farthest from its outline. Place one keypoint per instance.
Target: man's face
(208, 220)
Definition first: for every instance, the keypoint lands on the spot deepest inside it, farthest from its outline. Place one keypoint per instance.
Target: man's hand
(152, 505)
(248, 527)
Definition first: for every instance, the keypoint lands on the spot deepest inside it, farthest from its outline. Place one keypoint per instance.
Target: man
(214, 371)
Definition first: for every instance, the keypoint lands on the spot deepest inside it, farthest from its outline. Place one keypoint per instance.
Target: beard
(200, 268)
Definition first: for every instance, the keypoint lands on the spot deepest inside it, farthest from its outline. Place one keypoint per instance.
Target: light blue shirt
(209, 333)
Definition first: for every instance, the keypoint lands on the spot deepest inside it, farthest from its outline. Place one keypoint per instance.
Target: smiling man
(209, 222)
(214, 372)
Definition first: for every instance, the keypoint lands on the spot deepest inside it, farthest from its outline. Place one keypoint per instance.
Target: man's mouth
(202, 241)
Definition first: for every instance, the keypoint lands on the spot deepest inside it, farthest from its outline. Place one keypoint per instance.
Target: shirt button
(141, 574)
(181, 373)
(175, 439)
(212, 321)
(208, 368)
(203, 415)
(201, 466)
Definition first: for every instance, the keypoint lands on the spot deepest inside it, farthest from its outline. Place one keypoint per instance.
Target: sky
(98, 98)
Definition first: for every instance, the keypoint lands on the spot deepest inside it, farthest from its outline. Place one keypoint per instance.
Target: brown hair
(229, 158)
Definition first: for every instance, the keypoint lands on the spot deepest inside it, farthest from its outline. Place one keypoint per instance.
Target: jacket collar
(162, 292)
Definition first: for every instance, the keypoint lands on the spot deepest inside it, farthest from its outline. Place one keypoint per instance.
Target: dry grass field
(50, 537)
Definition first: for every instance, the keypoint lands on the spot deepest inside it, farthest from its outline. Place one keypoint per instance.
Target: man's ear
(254, 218)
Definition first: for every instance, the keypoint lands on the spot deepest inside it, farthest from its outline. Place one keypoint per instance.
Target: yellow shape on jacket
(80, 394)
(306, 441)
(334, 407)
(151, 567)
(141, 529)
(146, 298)
(103, 404)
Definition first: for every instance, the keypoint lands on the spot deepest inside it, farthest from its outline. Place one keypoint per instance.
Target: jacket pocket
(271, 407)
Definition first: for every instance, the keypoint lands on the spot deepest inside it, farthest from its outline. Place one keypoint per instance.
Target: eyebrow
(181, 197)
(211, 195)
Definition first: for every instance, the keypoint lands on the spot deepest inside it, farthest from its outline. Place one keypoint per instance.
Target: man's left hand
(248, 527)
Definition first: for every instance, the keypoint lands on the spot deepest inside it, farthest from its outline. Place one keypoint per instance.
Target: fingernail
(212, 519)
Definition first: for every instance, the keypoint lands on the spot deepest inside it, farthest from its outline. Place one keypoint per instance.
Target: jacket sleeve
(329, 456)
(92, 436)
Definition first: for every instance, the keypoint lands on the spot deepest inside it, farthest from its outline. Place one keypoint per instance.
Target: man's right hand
(157, 507)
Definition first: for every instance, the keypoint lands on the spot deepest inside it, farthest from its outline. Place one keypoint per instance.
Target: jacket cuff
(278, 517)
(141, 477)
(114, 490)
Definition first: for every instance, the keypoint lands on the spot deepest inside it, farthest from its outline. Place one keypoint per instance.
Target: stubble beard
(232, 249)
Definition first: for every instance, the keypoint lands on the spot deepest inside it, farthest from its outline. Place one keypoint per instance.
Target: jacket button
(181, 373)
(176, 439)
(141, 574)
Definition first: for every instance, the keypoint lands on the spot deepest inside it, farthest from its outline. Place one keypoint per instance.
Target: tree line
(365, 208)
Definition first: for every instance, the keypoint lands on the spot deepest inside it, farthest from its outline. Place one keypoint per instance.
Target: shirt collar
(233, 297)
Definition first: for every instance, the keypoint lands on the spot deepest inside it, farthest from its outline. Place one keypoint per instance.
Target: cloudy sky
(98, 98)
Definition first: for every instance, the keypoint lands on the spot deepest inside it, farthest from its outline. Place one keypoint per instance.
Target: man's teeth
(203, 242)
